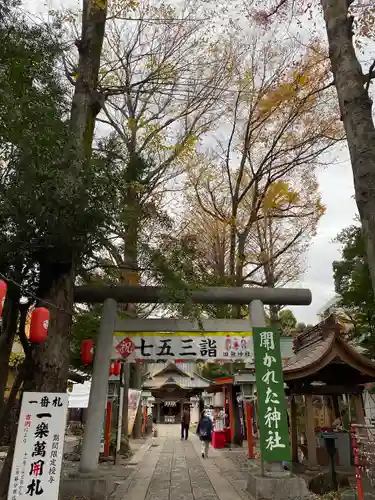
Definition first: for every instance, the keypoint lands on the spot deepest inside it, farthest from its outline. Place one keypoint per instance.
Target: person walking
(185, 424)
(204, 431)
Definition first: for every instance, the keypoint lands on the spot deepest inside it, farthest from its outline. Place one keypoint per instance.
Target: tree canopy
(288, 321)
(349, 30)
(353, 283)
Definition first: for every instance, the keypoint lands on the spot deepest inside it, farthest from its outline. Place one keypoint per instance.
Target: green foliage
(288, 321)
(45, 211)
(49, 214)
(85, 326)
(31, 127)
(353, 284)
(213, 371)
(15, 359)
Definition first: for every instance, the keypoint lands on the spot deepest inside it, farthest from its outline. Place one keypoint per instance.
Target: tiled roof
(319, 346)
(159, 368)
(182, 373)
(309, 355)
(184, 382)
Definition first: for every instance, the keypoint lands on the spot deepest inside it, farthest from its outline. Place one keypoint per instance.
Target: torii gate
(110, 322)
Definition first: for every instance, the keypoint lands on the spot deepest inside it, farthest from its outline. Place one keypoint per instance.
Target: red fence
(363, 444)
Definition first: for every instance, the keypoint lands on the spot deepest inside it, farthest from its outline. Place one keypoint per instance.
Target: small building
(173, 385)
(328, 372)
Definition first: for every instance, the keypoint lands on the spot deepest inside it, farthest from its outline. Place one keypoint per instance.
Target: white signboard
(149, 346)
(39, 447)
(134, 398)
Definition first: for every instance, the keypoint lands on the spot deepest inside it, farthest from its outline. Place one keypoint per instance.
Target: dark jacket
(185, 419)
(204, 429)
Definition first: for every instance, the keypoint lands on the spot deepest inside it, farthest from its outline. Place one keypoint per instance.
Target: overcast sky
(336, 187)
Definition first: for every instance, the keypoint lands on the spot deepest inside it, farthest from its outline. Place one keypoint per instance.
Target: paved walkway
(166, 468)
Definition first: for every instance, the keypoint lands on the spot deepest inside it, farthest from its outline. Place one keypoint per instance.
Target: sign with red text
(151, 346)
(39, 446)
(125, 348)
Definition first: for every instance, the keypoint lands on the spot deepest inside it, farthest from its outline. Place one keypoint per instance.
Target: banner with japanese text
(134, 399)
(39, 446)
(188, 346)
(149, 346)
(272, 411)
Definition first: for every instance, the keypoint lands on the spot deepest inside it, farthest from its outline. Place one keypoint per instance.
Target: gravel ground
(240, 459)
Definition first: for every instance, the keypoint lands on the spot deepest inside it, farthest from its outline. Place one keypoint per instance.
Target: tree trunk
(274, 317)
(356, 113)
(86, 100)
(8, 333)
(131, 275)
(48, 363)
(6, 410)
(4, 417)
(232, 253)
(13, 427)
(7, 466)
(50, 360)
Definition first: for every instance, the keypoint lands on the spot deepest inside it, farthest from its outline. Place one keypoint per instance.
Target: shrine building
(173, 385)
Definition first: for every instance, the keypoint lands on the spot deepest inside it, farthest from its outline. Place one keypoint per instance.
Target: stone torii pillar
(98, 391)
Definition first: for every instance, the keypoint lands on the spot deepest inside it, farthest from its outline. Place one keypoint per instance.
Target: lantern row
(39, 318)
(39, 329)
(87, 356)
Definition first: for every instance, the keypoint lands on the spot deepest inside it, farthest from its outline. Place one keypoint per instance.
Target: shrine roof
(170, 373)
(162, 368)
(322, 345)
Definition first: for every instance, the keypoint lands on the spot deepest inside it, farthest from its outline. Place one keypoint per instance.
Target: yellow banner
(183, 334)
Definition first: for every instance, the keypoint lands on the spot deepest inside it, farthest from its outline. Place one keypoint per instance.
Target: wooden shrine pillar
(225, 403)
(336, 406)
(231, 413)
(310, 432)
(293, 430)
(359, 411)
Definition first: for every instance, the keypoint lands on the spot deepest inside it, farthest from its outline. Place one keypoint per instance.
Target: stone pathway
(170, 469)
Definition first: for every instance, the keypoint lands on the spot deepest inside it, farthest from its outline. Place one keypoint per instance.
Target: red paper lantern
(87, 351)
(117, 368)
(39, 325)
(112, 369)
(3, 294)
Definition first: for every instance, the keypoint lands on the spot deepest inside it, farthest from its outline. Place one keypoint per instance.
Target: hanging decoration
(87, 351)
(39, 325)
(3, 294)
